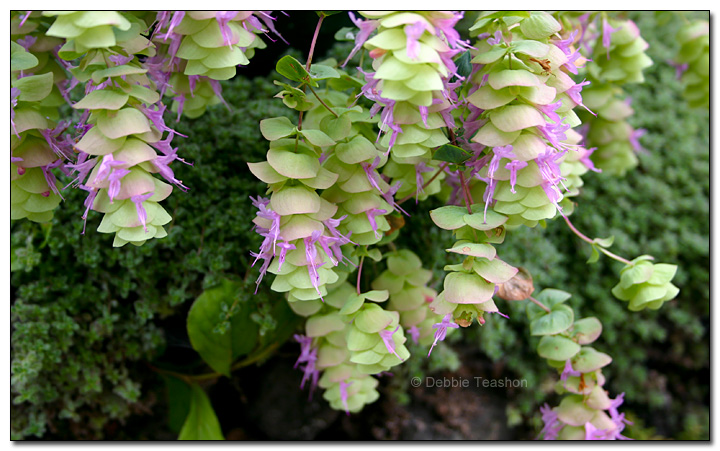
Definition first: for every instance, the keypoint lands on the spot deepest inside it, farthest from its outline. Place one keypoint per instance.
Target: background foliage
(93, 324)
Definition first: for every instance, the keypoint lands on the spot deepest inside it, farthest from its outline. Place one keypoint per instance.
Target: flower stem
(314, 40)
(307, 67)
(583, 237)
(466, 192)
(321, 101)
(249, 360)
(360, 266)
(440, 169)
(539, 304)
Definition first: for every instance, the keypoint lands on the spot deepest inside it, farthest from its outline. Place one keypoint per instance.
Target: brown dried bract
(519, 288)
(545, 64)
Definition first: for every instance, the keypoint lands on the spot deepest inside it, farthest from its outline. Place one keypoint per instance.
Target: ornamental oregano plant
(500, 121)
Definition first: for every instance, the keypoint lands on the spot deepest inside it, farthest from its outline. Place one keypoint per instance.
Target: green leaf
(604, 242)
(554, 347)
(102, 99)
(463, 64)
(587, 330)
(594, 256)
(317, 138)
(291, 68)
(539, 25)
(588, 360)
(322, 72)
(345, 34)
(20, 59)
(451, 154)
(219, 350)
(201, 422)
(479, 220)
(116, 71)
(573, 411)
(124, 122)
(179, 396)
(558, 320)
(327, 13)
(275, 128)
(35, 87)
(449, 218)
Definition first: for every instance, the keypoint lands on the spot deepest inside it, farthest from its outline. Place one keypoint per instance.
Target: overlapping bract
(619, 59)
(586, 412)
(122, 127)
(34, 190)
(646, 285)
(694, 56)
(521, 105)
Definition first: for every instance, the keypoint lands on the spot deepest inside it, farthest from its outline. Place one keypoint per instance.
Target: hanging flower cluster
(615, 141)
(618, 59)
(122, 127)
(35, 146)
(499, 115)
(522, 101)
(693, 59)
(586, 412)
(413, 90)
(646, 285)
(470, 286)
(121, 139)
(198, 48)
(362, 196)
(406, 282)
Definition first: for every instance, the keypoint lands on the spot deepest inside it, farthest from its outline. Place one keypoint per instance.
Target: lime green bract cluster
(585, 412)
(694, 39)
(118, 145)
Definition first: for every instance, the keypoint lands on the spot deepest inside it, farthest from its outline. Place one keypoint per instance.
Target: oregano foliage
(499, 121)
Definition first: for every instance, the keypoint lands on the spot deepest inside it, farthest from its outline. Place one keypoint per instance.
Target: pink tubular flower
(114, 179)
(607, 32)
(366, 28)
(89, 201)
(344, 394)
(61, 147)
(552, 424)
(142, 214)
(549, 111)
(27, 42)
(308, 356)
(311, 256)
(371, 173)
(390, 199)
(223, 17)
(371, 214)
(568, 371)
(585, 160)
(575, 96)
(499, 154)
(176, 19)
(513, 167)
(553, 193)
(50, 177)
(635, 140)
(386, 336)
(24, 18)
(284, 247)
(565, 44)
(413, 33)
(420, 169)
(488, 195)
(441, 331)
(496, 39)
(414, 334)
